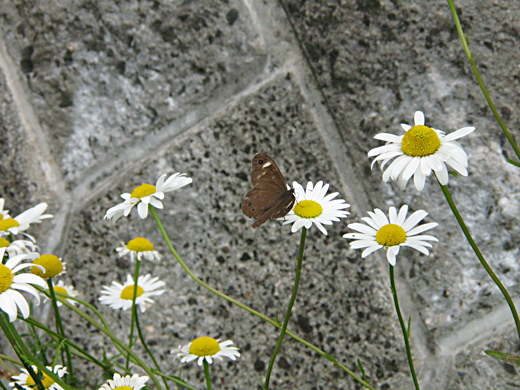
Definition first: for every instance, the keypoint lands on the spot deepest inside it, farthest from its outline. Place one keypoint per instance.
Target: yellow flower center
(128, 292)
(420, 141)
(6, 278)
(3, 242)
(61, 290)
(140, 244)
(143, 190)
(123, 388)
(52, 264)
(8, 223)
(390, 235)
(46, 381)
(204, 346)
(308, 209)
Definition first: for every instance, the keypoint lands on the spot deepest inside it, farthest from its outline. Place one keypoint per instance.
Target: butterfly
(270, 197)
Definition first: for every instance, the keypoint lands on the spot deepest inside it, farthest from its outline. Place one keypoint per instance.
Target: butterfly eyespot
(250, 204)
(260, 162)
(252, 209)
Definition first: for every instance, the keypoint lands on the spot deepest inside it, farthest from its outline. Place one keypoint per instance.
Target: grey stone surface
(113, 95)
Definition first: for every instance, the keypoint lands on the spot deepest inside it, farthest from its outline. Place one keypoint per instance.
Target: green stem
(23, 353)
(479, 79)
(117, 343)
(247, 308)
(59, 329)
(143, 342)
(178, 381)
(134, 310)
(289, 308)
(403, 327)
(206, 373)
(483, 261)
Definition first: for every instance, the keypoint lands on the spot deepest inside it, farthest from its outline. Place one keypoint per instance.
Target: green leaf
(453, 173)
(409, 326)
(515, 163)
(362, 371)
(505, 357)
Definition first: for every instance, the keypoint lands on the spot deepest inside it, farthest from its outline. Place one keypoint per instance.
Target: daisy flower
(380, 232)
(119, 296)
(63, 289)
(18, 247)
(420, 150)
(11, 300)
(147, 194)
(313, 207)
(27, 382)
(21, 223)
(134, 382)
(206, 348)
(52, 264)
(139, 248)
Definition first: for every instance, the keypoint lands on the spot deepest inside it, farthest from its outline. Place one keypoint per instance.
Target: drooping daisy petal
(420, 151)
(63, 288)
(139, 248)
(206, 348)
(314, 206)
(396, 231)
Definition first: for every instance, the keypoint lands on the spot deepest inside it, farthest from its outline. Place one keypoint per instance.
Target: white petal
(8, 306)
(417, 247)
(391, 253)
(418, 118)
(414, 219)
(401, 217)
(370, 250)
(142, 210)
(392, 214)
(418, 180)
(382, 217)
(20, 302)
(421, 228)
(359, 227)
(406, 127)
(442, 175)
(459, 133)
(363, 244)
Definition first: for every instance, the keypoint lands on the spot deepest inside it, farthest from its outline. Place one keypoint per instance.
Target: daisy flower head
(391, 233)
(147, 194)
(139, 248)
(26, 381)
(314, 206)
(134, 382)
(10, 299)
(206, 348)
(22, 222)
(66, 289)
(119, 296)
(52, 264)
(419, 151)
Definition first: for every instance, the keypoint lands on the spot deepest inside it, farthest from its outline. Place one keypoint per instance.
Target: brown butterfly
(270, 197)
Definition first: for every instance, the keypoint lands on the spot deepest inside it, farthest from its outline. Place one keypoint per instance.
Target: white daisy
(52, 265)
(11, 300)
(420, 150)
(21, 222)
(206, 348)
(27, 382)
(314, 207)
(63, 288)
(18, 247)
(147, 194)
(139, 248)
(134, 382)
(391, 235)
(119, 296)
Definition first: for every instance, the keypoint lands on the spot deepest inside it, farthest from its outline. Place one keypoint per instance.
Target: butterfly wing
(270, 198)
(265, 174)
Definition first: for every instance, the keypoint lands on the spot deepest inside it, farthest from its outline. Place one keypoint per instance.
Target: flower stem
(289, 308)
(479, 79)
(134, 312)
(483, 261)
(206, 372)
(59, 329)
(247, 308)
(403, 327)
(140, 333)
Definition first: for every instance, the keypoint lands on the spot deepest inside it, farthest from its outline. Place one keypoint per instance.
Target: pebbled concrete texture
(99, 97)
